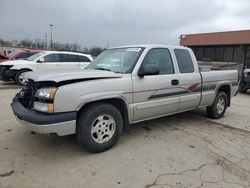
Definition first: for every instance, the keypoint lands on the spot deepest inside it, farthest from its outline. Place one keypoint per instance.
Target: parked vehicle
(22, 53)
(245, 81)
(43, 61)
(3, 58)
(122, 86)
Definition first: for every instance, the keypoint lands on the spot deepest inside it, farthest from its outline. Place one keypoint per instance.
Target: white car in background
(43, 61)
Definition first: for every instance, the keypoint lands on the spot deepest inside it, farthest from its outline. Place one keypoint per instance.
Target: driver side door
(156, 95)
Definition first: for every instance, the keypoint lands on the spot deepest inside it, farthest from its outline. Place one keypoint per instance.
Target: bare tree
(5, 42)
(37, 43)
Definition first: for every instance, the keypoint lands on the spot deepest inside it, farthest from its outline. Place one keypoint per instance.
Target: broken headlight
(45, 101)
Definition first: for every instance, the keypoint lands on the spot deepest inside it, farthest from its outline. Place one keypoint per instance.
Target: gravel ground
(184, 150)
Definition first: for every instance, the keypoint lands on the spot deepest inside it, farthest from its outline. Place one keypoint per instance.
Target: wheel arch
(227, 89)
(22, 67)
(26, 69)
(118, 102)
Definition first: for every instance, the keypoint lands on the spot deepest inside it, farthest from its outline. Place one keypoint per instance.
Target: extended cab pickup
(121, 86)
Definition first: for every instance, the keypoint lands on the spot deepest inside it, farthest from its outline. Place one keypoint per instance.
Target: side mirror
(150, 69)
(41, 60)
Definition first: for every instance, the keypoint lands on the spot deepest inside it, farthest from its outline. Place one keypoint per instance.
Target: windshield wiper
(101, 68)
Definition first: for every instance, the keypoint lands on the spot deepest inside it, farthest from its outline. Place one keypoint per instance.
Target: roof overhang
(219, 38)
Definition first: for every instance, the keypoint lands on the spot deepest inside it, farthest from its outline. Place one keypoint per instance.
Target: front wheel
(99, 127)
(218, 108)
(20, 79)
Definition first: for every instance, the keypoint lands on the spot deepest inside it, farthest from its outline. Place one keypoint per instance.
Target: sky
(119, 22)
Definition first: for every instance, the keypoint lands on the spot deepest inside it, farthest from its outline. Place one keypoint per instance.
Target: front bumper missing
(60, 123)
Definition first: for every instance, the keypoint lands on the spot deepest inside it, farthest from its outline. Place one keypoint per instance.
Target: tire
(219, 107)
(99, 127)
(242, 88)
(19, 80)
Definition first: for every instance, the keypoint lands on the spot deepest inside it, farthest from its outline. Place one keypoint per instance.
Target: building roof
(218, 38)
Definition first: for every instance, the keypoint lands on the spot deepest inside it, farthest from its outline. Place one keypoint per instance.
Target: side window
(82, 58)
(67, 58)
(22, 55)
(31, 53)
(162, 58)
(52, 58)
(74, 58)
(184, 61)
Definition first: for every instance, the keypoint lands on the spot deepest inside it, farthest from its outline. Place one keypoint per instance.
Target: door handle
(174, 82)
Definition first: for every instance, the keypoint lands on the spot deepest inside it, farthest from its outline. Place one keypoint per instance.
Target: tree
(5, 42)
(26, 43)
(37, 43)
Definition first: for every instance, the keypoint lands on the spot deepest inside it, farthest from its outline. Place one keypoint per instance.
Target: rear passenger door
(70, 61)
(189, 80)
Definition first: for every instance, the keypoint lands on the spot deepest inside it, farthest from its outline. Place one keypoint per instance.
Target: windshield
(12, 54)
(120, 60)
(33, 57)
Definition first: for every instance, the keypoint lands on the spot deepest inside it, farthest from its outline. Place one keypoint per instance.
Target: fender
(222, 84)
(106, 97)
(20, 67)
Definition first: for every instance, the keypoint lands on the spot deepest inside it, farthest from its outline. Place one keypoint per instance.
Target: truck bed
(212, 80)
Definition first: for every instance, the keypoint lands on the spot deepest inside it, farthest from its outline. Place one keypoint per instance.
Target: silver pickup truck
(122, 86)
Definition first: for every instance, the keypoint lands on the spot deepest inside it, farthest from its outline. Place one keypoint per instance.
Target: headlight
(45, 97)
(44, 107)
(46, 93)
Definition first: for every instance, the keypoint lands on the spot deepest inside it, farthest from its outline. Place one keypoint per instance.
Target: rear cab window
(184, 61)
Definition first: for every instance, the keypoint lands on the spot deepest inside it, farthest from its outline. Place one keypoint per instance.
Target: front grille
(4, 69)
(27, 95)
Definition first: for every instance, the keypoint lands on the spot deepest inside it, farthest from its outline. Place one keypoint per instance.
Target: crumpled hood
(66, 75)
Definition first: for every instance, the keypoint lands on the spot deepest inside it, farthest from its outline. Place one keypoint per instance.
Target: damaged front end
(35, 117)
(27, 96)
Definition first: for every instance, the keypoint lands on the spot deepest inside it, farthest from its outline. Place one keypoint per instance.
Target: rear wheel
(99, 127)
(20, 79)
(218, 108)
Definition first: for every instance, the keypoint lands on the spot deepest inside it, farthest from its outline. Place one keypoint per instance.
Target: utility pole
(51, 38)
(46, 40)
